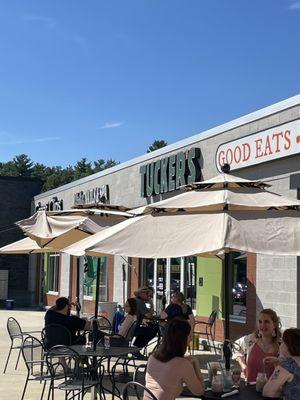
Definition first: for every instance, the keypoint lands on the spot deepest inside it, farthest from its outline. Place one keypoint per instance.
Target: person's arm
(273, 387)
(240, 348)
(193, 377)
(163, 315)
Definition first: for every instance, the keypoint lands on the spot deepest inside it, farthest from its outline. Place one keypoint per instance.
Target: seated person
(130, 318)
(251, 350)
(178, 308)
(146, 329)
(285, 380)
(168, 368)
(61, 314)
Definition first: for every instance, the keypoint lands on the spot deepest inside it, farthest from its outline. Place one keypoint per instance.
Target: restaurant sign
(271, 144)
(52, 205)
(98, 194)
(170, 173)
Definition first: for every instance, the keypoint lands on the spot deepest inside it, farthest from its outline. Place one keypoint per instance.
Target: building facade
(15, 204)
(263, 145)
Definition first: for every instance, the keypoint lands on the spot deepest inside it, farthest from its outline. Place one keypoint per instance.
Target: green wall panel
(209, 296)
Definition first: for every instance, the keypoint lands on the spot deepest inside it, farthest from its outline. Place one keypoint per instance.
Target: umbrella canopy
(178, 234)
(24, 246)
(60, 229)
(225, 213)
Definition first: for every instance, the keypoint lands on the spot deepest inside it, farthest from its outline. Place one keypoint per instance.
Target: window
(239, 284)
(190, 264)
(90, 276)
(52, 272)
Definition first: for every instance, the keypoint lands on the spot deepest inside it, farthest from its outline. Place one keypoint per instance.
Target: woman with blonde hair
(251, 350)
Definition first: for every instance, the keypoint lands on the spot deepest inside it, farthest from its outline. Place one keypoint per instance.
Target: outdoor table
(246, 392)
(101, 354)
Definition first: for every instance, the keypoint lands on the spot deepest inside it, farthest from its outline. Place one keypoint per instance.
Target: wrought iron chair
(77, 376)
(55, 334)
(104, 325)
(209, 331)
(16, 337)
(140, 374)
(135, 390)
(33, 355)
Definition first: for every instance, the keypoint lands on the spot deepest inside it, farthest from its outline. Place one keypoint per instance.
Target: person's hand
(270, 360)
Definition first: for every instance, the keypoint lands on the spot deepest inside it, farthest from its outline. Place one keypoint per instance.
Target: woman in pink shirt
(251, 350)
(168, 368)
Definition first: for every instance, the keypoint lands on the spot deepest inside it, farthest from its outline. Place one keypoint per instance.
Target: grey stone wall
(15, 204)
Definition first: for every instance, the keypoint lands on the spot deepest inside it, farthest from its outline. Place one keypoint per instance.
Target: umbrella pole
(227, 302)
(97, 287)
(78, 306)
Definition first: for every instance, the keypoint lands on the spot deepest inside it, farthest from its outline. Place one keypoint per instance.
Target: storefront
(263, 145)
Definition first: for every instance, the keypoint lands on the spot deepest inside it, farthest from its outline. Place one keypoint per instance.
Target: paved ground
(12, 383)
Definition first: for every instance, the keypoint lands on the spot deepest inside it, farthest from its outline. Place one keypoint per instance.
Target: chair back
(104, 324)
(130, 333)
(64, 362)
(212, 318)
(135, 390)
(14, 328)
(56, 334)
(140, 374)
(33, 354)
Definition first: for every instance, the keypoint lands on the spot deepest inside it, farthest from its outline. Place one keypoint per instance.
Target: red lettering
(229, 153)
(246, 151)
(287, 135)
(221, 158)
(268, 150)
(237, 154)
(259, 152)
(276, 136)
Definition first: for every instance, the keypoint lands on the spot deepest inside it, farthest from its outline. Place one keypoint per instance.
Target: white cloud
(295, 6)
(109, 125)
(34, 140)
(46, 21)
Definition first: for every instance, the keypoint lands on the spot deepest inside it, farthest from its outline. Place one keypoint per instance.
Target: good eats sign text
(278, 142)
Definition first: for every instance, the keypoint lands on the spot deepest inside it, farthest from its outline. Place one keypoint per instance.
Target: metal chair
(33, 355)
(209, 331)
(140, 374)
(77, 376)
(135, 390)
(55, 334)
(104, 324)
(16, 336)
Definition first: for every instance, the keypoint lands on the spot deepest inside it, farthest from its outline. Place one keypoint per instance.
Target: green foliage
(157, 144)
(52, 177)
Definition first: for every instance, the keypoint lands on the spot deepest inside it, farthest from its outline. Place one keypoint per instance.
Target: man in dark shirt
(61, 314)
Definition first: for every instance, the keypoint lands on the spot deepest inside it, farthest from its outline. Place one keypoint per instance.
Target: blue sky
(104, 79)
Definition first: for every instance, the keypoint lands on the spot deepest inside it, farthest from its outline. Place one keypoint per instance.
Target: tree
(83, 168)
(101, 165)
(23, 165)
(157, 144)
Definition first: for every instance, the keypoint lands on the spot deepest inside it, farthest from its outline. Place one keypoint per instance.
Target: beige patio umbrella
(60, 229)
(223, 214)
(54, 230)
(24, 246)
